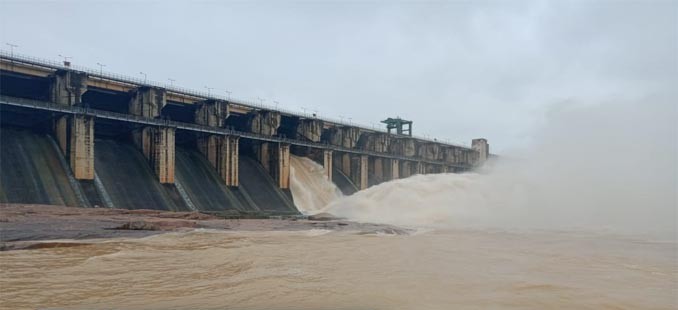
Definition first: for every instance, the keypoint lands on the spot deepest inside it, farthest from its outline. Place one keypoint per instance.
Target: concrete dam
(81, 137)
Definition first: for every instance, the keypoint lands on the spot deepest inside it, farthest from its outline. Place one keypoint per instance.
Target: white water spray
(609, 167)
(311, 190)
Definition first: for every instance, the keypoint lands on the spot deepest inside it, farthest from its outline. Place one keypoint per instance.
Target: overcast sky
(459, 70)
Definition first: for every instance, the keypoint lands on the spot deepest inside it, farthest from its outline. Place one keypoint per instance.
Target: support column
(161, 156)
(346, 164)
(263, 154)
(378, 169)
(67, 87)
(233, 171)
(82, 147)
(75, 136)
(363, 171)
(421, 168)
(395, 169)
(443, 169)
(327, 163)
(156, 143)
(483, 150)
(222, 152)
(359, 171)
(405, 170)
(282, 167)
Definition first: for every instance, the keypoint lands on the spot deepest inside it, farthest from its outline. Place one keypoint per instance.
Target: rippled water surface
(330, 270)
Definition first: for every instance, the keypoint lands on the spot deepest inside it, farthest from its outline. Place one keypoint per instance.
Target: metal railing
(76, 110)
(199, 94)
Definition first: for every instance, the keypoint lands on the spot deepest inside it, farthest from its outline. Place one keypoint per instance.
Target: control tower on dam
(83, 137)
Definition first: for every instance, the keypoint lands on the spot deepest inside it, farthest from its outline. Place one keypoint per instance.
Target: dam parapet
(82, 108)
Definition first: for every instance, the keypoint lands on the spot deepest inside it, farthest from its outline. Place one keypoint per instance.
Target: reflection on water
(330, 270)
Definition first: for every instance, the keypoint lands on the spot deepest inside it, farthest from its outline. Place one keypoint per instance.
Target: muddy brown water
(318, 269)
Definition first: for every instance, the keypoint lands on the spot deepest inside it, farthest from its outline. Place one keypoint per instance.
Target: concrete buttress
(482, 148)
(395, 169)
(156, 143)
(364, 163)
(421, 168)
(147, 101)
(282, 167)
(67, 87)
(327, 163)
(75, 136)
(310, 130)
(359, 167)
(222, 153)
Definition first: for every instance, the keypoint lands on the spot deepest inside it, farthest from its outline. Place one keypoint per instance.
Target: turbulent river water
(330, 270)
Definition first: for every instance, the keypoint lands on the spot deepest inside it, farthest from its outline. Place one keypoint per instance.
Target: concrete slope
(31, 170)
(128, 180)
(204, 187)
(343, 182)
(257, 186)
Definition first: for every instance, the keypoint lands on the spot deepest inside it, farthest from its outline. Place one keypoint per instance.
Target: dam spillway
(79, 137)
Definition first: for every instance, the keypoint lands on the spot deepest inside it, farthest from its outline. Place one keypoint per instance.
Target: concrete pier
(376, 169)
(212, 113)
(75, 136)
(281, 173)
(375, 142)
(360, 171)
(147, 101)
(482, 149)
(67, 87)
(420, 168)
(344, 136)
(274, 157)
(310, 129)
(392, 169)
(156, 143)
(327, 163)
(222, 152)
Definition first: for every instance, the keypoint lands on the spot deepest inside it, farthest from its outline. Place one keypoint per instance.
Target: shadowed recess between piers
(129, 181)
(204, 187)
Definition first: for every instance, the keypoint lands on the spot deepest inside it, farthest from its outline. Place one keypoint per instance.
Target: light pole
(261, 101)
(349, 120)
(11, 49)
(276, 104)
(145, 76)
(66, 62)
(228, 94)
(101, 68)
(171, 82)
(209, 90)
(304, 109)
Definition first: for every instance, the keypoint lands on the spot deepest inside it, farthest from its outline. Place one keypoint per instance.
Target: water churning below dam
(311, 189)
